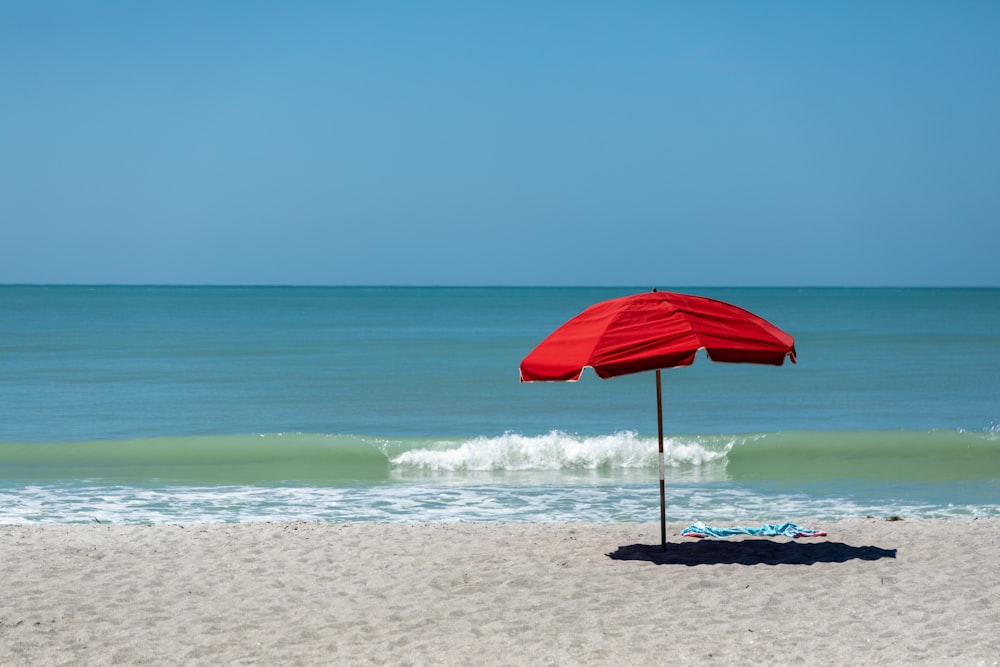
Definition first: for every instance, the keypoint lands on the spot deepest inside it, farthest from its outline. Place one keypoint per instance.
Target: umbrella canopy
(652, 331)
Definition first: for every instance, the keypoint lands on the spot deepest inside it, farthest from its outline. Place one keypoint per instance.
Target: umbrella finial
(654, 289)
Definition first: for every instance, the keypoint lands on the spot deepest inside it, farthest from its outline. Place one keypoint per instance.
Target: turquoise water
(164, 404)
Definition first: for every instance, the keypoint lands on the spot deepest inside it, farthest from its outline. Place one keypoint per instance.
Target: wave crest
(556, 450)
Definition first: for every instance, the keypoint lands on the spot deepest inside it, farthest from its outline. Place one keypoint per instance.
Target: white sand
(872, 592)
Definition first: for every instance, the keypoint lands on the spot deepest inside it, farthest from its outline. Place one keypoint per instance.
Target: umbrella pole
(663, 493)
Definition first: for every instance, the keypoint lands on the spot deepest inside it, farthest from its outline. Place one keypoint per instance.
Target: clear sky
(508, 143)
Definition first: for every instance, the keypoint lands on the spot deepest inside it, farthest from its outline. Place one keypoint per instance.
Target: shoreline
(871, 592)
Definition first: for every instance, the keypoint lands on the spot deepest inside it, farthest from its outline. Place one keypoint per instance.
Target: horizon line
(481, 286)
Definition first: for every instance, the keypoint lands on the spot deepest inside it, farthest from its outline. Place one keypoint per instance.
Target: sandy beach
(872, 592)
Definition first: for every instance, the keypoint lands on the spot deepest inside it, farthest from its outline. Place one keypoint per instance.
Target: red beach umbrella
(652, 331)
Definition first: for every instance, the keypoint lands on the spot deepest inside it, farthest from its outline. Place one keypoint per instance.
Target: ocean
(147, 405)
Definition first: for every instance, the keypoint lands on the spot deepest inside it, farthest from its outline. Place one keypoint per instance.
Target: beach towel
(767, 530)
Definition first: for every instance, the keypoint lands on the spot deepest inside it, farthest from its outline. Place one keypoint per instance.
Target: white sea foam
(556, 450)
(73, 503)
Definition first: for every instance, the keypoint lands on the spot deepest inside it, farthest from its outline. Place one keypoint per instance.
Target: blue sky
(515, 143)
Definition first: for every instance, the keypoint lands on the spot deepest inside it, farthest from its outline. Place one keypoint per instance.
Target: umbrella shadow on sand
(749, 552)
